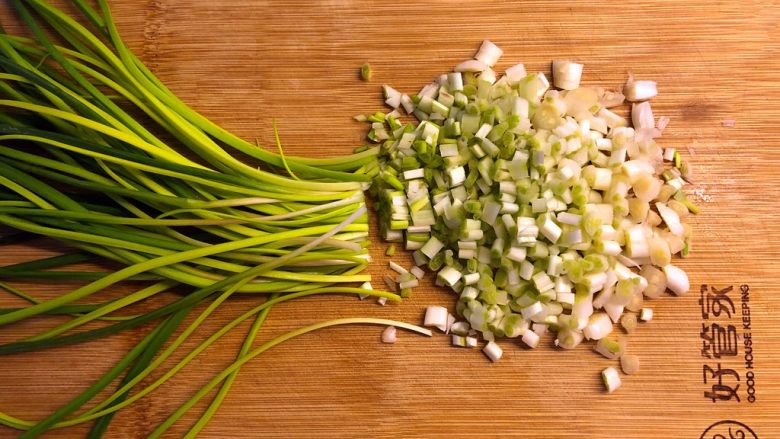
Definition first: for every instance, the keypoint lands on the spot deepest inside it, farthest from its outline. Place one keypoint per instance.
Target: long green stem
(228, 383)
(268, 345)
(77, 165)
(168, 327)
(156, 263)
(107, 309)
(104, 408)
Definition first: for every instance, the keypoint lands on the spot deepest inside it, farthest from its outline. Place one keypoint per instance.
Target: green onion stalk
(97, 153)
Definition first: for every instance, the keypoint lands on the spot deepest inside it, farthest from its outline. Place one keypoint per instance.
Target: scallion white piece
(566, 74)
(392, 96)
(611, 349)
(493, 351)
(676, 279)
(397, 268)
(471, 66)
(417, 272)
(531, 339)
(599, 326)
(460, 328)
(611, 379)
(436, 316)
(640, 90)
(488, 53)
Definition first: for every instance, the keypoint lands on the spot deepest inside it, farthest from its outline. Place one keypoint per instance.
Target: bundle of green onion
(78, 164)
(539, 206)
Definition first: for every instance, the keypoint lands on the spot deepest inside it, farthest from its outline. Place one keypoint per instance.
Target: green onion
(366, 72)
(78, 166)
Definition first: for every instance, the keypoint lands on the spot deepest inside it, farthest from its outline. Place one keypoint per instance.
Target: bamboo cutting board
(245, 62)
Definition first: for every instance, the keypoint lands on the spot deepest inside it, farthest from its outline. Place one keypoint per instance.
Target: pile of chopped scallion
(97, 153)
(538, 205)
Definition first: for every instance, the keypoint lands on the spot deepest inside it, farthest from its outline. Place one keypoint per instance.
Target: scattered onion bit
(630, 364)
(628, 322)
(493, 351)
(366, 72)
(611, 379)
(436, 316)
(389, 335)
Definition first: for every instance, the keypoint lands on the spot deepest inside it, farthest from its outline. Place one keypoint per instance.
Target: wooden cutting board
(243, 63)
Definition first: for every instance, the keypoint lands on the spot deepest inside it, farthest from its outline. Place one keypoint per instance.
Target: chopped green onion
(541, 200)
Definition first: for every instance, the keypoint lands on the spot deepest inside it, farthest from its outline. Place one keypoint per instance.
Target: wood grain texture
(245, 62)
